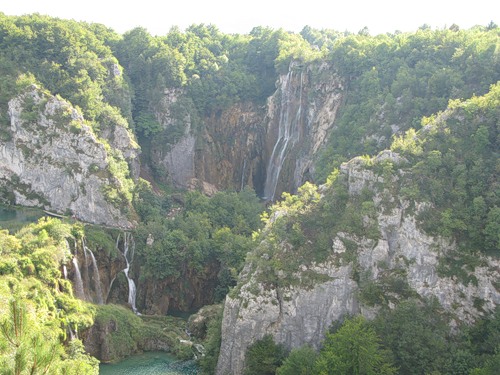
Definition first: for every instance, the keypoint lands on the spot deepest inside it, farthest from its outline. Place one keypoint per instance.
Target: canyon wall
(270, 148)
(53, 159)
(298, 307)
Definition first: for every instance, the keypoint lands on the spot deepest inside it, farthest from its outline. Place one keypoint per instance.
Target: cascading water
(288, 132)
(79, 292)
(95, 273)
(243, 174)
(65, 272)
(85, 273)
(128, 252)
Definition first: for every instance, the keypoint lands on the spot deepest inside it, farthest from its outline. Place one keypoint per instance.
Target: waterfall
(243, 174)
(95, 273)
(109, 289)
(65, 272)
(287, 133)
(128, 248)
(79, 292)
(85, 272)
(117, 247)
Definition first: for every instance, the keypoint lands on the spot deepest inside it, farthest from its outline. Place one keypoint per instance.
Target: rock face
(230, 154)
(298, 119)
(226, 152)
(300, 313)
(55, 161)
(190, 291)
(270, 148)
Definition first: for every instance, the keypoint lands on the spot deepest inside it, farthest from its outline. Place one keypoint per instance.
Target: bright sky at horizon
(380, 16)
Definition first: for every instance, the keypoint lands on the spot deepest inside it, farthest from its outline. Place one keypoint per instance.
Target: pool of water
(13, 218)
(151, 363)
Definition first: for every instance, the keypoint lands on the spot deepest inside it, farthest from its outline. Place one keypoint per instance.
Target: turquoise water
(13, 218)
(151, 363)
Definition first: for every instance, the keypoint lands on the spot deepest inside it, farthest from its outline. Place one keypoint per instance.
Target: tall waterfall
(79, 292)
(288, 132)
(128, 253)
(243, 174)
(95, 273)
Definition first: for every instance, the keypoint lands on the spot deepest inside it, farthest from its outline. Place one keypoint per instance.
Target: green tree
(299, 362)
(24, 348)
(354, 350)
(264, 357)
(417, 335)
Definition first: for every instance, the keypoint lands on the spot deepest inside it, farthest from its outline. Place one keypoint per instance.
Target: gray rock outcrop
(54, 160)
(300, 312)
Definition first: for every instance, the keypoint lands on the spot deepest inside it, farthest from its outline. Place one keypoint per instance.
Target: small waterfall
(95, 273)
(72, 334)
(79, 291)
(128, 253)
(243, 174)
(288, 133)
(64, 268)
(85, 273)
(117, 247)
(109, 289)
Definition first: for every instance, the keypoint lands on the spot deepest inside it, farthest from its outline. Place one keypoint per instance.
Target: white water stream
(288, 132)
(128, 253)
(95, 273)
(79, 292)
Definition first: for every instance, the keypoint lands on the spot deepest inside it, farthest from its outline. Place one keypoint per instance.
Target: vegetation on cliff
(449, 169)
(448, 165)
(394, 80)
(40, 313)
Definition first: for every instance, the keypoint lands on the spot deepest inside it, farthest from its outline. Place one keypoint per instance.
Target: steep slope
(270, 149)
(300, 115)
(384, 229)
(52, 159)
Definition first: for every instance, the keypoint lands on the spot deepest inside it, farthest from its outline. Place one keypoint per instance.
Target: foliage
(68, 58)
(454, 166)
(417, 335)
(28, 351)
(353, 349)
(208, 362)
(205, 232)
(263, 357)
(394, 80)
(299, 362)
(135, 333)
(40, 308)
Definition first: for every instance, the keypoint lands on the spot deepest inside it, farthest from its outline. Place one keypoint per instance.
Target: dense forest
(430, 96)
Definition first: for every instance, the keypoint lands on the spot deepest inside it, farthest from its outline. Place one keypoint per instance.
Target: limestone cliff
(299, 117)
(223, 149)
(54, 160)
(287, 292)
(270, 148)
(172, 150)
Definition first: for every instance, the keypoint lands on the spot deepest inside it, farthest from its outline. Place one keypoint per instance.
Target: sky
(158, 16)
